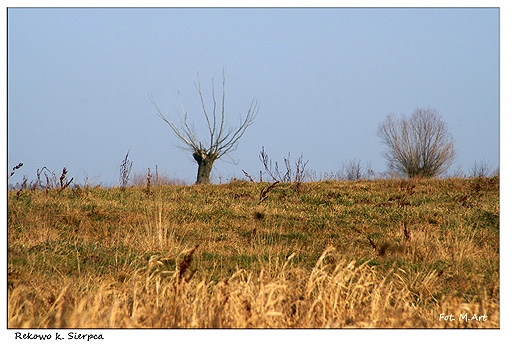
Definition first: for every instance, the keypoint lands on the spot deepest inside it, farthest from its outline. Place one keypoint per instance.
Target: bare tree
(419, 146)
(222, 139)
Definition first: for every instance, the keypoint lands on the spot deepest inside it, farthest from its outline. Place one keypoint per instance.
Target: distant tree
(222, 139)
(419, 146)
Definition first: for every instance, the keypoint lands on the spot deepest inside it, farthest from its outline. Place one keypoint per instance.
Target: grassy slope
(302, 257)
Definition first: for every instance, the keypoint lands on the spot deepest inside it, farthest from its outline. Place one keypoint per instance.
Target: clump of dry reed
(336, 293)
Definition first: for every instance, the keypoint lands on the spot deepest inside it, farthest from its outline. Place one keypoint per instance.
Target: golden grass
(231, 256)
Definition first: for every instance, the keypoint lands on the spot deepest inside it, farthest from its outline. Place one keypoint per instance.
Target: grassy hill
(384, 253)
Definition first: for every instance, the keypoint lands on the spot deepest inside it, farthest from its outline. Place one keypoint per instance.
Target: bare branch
(230, 141)
(222, 113)
(199, 90)
(188, 137)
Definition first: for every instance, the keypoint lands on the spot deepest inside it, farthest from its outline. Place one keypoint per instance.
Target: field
(363, 254)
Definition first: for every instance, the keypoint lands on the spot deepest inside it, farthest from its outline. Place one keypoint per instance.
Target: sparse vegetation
(298, 175)
(379, 253)
(482, 169)
(47, 182)
(155, 179)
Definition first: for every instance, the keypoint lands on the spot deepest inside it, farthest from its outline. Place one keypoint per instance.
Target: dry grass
(367, 254)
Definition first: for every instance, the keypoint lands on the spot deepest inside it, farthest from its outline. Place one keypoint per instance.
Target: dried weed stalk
(63, 180)
(124, 171)
(265, 191)
(288, 176)
(185, 264)
(18, 166)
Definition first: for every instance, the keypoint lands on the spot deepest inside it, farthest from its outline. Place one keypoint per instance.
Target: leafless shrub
(299, 176)
(419, 146)
(276, 174)
(354, 170)
(268, 166)
(351, 171)
(481, 169)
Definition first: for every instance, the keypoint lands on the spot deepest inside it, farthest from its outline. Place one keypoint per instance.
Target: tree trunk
(204, 172)
(205, 162)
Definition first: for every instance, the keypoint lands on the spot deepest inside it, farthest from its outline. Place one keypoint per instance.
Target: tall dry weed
(337, 293)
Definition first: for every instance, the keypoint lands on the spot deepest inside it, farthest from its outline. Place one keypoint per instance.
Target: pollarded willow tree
(419, 146)
(222, 140)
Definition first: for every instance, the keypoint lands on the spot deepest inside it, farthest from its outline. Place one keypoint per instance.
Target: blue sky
(79, 82)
